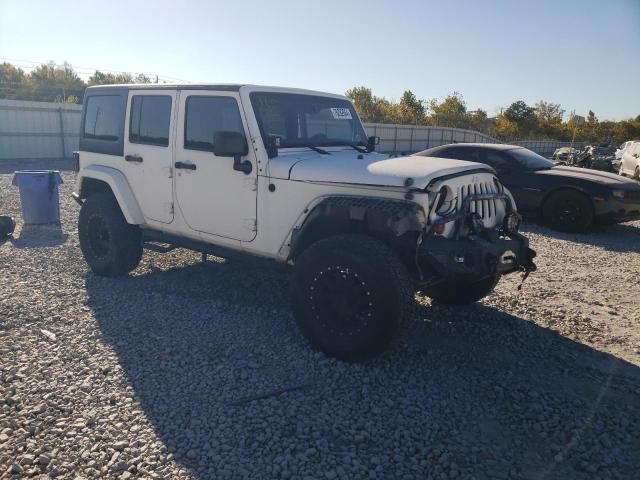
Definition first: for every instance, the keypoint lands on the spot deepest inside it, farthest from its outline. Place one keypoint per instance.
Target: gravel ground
(155, 375)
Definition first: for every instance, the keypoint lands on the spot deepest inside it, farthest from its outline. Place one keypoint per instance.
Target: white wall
(31, 130)
(38, 129)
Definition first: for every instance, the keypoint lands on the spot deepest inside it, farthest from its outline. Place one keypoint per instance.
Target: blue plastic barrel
(39, 195)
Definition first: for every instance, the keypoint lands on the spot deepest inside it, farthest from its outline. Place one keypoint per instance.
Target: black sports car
(566, 198)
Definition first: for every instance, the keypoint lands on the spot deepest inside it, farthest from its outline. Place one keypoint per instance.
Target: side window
(207, 115)
(494, 159)
(103, 117)
(150, 119)
(462, 153)
(453, 153)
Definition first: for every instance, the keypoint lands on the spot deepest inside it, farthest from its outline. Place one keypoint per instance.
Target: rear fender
(119, 186)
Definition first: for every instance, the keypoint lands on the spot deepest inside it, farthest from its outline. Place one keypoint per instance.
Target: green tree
(505, 128)
(451, 112)
(549, 119)
(101, 78)
(50, 83)
(366, 104)
(13, 82)
(523, 116)
(590, 128)
(411, 110)
(478, 120)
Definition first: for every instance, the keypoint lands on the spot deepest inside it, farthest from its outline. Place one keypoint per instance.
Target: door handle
(184, 166)
(133, 158)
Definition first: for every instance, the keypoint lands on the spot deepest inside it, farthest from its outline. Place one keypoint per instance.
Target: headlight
(618, 193)
(511, 223)
(446, 201)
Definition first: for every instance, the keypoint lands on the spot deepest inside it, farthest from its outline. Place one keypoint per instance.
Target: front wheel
(350, 294)
(109, 244)
(462, 293)
(568, 211)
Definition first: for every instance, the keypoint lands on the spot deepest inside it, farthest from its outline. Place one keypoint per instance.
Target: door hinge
(251, 224)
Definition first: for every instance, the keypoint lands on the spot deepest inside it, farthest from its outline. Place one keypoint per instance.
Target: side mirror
(372, 142)
(232, 144)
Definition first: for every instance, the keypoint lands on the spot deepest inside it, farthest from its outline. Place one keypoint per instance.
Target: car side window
(454, 153)
(150, 119)
(102, 117)
(205, 116)
(494, 159)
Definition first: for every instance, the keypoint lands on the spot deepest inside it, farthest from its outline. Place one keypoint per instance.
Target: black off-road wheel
(109, 244)
(462, 293)
(568, 211)
(350, 294)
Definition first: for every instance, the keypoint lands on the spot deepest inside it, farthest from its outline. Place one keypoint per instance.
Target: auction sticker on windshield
(341, 113)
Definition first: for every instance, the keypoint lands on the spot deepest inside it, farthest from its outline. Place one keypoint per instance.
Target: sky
(582, 54)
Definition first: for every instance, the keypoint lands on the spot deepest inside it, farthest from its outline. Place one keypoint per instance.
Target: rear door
(149, 150)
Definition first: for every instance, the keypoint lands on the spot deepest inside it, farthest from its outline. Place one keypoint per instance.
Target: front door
(148, 150)
(213, 197)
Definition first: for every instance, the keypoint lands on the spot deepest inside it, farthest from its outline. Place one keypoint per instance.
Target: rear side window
(207, 115)
(102, 129)
(150, 119)
(103, 117)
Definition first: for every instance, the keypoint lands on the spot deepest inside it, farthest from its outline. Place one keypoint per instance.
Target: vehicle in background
(594, 157)
(566, 198)
(630, 161)
(563, 154)
(620, 150)
(290, 175)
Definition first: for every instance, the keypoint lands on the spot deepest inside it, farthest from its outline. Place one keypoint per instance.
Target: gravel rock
(145, 372)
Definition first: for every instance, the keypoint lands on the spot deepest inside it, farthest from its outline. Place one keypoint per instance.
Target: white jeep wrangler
(290, 175)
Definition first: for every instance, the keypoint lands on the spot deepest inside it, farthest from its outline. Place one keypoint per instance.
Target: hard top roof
(228, 87)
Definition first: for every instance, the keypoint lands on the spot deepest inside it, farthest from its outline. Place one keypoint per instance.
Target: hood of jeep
(344, 166)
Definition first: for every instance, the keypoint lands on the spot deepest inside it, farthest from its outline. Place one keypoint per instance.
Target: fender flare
(390, 216)
(119, 187)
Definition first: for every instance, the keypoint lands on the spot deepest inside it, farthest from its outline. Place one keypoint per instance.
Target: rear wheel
(350, 294)
(636, 173)
(462, 293)
(109, 244)
(568, 211)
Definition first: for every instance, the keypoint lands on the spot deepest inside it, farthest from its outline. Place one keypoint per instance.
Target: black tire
(109, 244)
(350, 294)
(636, 174)
(461, 293)
(568, 211)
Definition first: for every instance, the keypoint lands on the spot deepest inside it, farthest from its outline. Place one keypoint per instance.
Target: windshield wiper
(317, 149)
(352, 145)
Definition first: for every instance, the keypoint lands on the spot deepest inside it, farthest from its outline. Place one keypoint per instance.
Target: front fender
(119, 186)
(386, 216)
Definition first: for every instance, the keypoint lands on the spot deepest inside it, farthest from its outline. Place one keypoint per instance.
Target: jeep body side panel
(119, 186)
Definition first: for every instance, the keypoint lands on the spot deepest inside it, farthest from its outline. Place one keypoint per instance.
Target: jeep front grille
(487, 209)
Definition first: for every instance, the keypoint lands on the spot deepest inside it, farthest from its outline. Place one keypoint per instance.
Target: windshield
(600, 151)
(530, 160)
(307, 120)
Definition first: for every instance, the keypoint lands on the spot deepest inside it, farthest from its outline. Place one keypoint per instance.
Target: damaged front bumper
(477, 255)
(474, 258)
